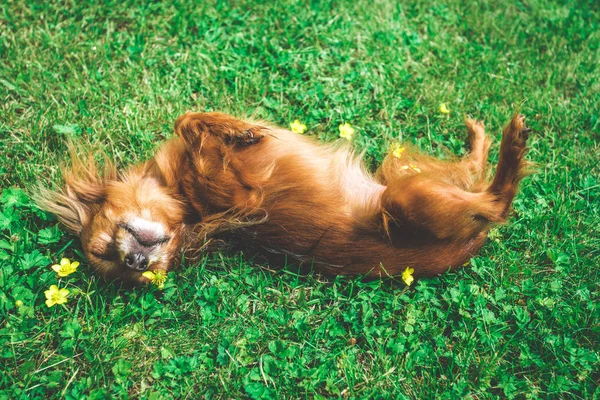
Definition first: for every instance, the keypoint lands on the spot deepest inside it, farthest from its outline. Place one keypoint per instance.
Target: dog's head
(128, 223)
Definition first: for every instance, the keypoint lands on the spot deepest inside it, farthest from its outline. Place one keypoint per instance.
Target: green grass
(523, 321)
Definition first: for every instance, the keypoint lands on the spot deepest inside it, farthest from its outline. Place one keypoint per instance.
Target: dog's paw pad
(518, 132)
(524, 133)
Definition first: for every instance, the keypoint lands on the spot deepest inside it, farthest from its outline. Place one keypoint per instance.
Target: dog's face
(136, 227)
(127, 224)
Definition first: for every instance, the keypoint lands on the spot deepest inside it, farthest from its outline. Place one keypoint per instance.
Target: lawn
(522, 321)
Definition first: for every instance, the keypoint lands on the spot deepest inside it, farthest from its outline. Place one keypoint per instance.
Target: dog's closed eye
(146, 237)
(109, 256)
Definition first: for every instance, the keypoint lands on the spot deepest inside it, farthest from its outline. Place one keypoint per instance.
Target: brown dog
(284, 194)
(315, 203)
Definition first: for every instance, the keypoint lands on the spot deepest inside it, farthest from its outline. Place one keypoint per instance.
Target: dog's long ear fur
(166, 164)
(84, 191)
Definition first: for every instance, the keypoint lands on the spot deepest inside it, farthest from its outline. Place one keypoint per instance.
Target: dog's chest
(359, 190)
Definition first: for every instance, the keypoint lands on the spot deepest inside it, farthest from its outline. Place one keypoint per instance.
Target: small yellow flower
(346, 131)
(18, 303)
(467, 263)
(398, 151)
(407, 276)
(411, 166)
(444, 109)
(65, 268)
(157, 278)
(415, 168)
(54, 295)
(298, 127)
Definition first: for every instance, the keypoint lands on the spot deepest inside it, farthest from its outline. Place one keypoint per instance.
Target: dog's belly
(361, 193)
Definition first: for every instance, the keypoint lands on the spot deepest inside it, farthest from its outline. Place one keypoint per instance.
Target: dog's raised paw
(246, 137)
(524, 133)
(519, 132)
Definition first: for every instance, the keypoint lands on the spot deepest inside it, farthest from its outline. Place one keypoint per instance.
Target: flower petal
(398, 151)
(346, 131)
(298, 127)
(407, 276)
(149, 275)
(52, 290)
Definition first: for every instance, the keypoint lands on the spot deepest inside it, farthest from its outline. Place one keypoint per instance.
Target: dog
(289, 197)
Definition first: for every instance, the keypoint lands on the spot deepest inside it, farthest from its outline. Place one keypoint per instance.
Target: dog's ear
(198, 128)
(69, 210)
(83, 193)
(166, 164)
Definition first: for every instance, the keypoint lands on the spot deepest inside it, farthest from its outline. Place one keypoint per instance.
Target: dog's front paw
(194, 128)
(246, 137)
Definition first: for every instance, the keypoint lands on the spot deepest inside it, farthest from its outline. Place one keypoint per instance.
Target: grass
(523, 321)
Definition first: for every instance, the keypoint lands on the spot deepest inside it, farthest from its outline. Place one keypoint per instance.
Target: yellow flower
(158, 278)
(298, 127)
(54, 295)
(407, 276)
(444, 109)
(398, 150)
(411, 166)
(346, 131)
(415, 168)
(467, 263)
(65, 268)
(18, 303)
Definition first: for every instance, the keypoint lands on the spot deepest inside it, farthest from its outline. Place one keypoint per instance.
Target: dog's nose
(136, 261)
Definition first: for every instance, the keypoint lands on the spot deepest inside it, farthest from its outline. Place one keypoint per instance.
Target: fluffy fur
(118, 217)
(288, 196)
(315, 203)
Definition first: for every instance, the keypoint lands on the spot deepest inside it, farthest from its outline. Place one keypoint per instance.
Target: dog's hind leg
(468, 173)
(446, 210)
(511, 164)
(475, 162)
(443, 210)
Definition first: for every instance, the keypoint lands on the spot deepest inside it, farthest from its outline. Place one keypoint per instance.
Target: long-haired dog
(287, 195)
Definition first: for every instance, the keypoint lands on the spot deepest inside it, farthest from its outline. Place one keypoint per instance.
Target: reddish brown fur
(317, 204)
(93, 205)
(288, 195)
